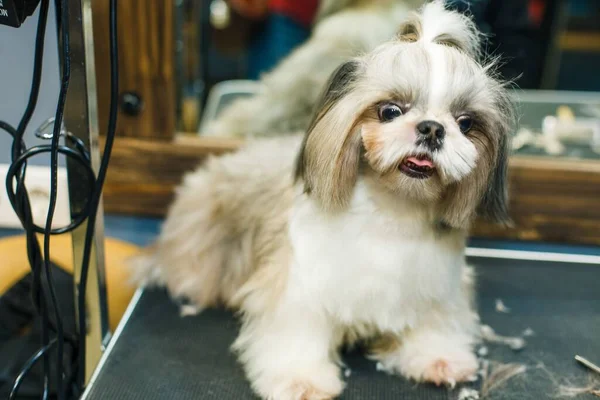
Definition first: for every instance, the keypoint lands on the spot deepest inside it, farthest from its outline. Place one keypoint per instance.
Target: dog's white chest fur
(370, 266)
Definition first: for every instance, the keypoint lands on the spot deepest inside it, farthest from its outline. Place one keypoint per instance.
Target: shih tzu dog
(343, 29)
(367, 242)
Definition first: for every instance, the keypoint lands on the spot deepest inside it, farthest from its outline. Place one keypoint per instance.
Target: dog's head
(423, 115)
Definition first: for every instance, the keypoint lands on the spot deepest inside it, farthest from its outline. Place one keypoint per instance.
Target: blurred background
(547, 44)
(184, 62)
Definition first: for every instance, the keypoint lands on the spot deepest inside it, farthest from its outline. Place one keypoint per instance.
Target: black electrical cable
(19, 145)
(19, 198)
(110, 136)
(54, 147)
(23, 208)
(40, 36)
(28, 366)
(80, 155)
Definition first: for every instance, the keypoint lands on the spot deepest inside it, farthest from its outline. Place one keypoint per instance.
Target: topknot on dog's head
(435, 23)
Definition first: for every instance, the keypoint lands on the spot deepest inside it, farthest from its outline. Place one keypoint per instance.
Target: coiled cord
(44, 296)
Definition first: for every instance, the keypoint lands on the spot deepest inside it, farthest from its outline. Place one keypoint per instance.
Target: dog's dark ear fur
(329, 158)
(484, 192)
(495, 201)
(337, 85)
(494, 204)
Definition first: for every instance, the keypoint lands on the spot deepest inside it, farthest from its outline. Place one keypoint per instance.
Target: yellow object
(14, 265)
(564, 113)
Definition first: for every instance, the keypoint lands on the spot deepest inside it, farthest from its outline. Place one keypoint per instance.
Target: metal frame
(81, 120)
(120, 328)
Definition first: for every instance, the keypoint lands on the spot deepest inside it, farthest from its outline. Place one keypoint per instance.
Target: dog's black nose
(430, 134)
(431, 128)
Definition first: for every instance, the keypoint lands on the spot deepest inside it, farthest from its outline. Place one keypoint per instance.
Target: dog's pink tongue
(420, 163)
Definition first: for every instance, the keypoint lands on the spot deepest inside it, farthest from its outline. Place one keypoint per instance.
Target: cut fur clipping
(568, 391)
(516, 343)
(468, 394)
(494, 375)
(501, 307)
(498, 375)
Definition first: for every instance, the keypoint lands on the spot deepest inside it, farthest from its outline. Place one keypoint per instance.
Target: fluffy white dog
(367, 242)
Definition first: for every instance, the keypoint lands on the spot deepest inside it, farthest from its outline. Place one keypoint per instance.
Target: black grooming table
(159, 355)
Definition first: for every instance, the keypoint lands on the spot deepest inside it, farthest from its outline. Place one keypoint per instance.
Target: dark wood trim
(143, 173)
(552, 200)
(146, 65)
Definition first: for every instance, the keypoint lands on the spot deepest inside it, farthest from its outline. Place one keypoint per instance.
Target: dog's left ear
(330, 155)
(494, 204)
(484, 192)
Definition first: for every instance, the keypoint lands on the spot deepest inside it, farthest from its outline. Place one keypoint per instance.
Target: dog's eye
(388, 112)
(465, 123)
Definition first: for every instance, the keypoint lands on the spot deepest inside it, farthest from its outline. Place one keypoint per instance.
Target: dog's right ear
(329, 158)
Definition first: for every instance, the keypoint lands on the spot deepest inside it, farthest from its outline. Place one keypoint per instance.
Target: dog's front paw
(319, 384)
(303, 390)
(450, 370)
(447, 367)
(430, 357)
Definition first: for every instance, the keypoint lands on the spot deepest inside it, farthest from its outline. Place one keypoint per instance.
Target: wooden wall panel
(146, 65)
(143, 174)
